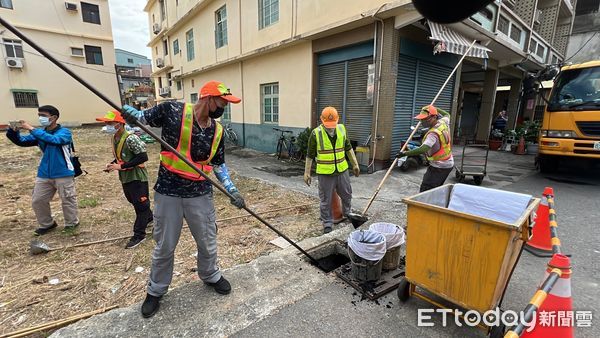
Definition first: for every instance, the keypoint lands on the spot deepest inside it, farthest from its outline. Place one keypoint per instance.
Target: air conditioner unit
(14, 63)
(71, 6)
(156, 28)
(164, 91)
(160, 63)
(537, 16)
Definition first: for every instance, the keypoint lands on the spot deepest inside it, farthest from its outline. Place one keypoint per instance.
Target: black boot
(150, 305)
(222, 286)
(42, 231)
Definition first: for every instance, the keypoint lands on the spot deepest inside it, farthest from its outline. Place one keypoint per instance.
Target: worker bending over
(437, 144)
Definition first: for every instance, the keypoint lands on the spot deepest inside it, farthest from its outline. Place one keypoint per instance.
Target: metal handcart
(459, 257)
(473, 163)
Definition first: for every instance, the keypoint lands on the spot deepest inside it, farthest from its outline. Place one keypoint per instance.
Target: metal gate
(343, 85)
(418, 83)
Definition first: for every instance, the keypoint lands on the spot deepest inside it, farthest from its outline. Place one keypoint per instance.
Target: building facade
(79, 35)
(584, 43)
(134, 76)
(373, 60)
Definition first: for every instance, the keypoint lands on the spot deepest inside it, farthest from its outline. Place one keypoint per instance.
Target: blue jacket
(55, 145)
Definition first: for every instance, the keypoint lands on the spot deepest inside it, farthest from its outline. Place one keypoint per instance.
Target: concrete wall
(57, 33)
(589, 52)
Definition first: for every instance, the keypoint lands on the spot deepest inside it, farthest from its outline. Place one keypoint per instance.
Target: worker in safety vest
(180, 192)
(329, 144)
(130, 155)
(437, 144)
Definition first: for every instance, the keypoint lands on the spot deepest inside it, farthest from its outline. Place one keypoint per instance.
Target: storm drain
(333, 257)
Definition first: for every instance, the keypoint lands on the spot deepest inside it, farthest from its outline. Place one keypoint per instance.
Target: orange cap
(215, 88)
(330, 117)
(111, 116)
(427, 111)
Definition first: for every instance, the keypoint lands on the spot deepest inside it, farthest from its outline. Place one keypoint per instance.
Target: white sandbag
(498, 205)
(367, 244)
(394, 235)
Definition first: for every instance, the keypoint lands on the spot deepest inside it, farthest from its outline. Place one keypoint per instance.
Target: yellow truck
(571, 126)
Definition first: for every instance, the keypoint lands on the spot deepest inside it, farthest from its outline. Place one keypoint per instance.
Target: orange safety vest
(118, 150)
(443, 134)
(174, 164)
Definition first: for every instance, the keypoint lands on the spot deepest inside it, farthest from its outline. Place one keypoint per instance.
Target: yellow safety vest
(118, 149)
(443, 134)
(328, 157)
(172, 163)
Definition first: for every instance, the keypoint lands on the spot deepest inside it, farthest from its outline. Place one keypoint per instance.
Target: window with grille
(25, 99)
(6, 4)
(90, 13)
(270, 102)
(178, 84)
(189, 41)
(503, 25)
(515, 34)
(176, 46)
(93, 55)
(193, 97)
(221, 27)
(14, 48)
(268, 12)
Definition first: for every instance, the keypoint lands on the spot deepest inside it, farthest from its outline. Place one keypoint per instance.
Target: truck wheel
(478, 179)
(547, 164)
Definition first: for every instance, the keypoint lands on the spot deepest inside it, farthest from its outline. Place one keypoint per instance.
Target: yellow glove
(354, 162)
(307, 168)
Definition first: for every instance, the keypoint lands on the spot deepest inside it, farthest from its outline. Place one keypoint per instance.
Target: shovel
(359, 219)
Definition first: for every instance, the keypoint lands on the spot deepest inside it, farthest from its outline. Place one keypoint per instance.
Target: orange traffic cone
(336, 209)
(521, 146)
(540, 243)
(554, 317)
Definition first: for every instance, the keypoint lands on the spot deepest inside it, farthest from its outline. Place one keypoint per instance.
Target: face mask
(44, 121)
(217, 113)
(111, 130)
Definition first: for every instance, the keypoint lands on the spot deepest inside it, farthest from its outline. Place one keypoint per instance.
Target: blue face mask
(109, 129)
(44, 121)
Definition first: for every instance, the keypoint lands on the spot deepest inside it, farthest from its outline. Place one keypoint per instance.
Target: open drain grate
(388, 282)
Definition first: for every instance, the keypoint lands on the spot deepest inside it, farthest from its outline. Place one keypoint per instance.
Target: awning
(450, 41)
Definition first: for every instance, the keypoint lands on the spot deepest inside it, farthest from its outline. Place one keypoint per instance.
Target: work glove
(356, 171)
(400, 154)
(307, 169)
(131, 115)
(238, 200)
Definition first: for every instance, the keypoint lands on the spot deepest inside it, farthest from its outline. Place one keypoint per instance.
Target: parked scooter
(407, 162)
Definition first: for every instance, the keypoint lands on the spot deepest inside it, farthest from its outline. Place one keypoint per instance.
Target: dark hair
(49, 109)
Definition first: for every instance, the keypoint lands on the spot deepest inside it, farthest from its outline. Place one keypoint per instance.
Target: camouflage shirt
(168, 116)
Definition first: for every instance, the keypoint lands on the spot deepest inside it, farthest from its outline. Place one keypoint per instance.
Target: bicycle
(289, 145)
(231, 138)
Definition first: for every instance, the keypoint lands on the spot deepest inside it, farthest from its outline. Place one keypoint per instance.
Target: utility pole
(119, 85)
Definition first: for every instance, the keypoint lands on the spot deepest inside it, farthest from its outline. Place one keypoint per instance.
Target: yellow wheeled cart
(461, 257)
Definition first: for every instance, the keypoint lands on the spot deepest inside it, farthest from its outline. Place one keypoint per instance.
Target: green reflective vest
(328, 157)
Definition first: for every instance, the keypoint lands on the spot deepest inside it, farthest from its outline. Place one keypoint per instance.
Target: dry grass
(95, 276)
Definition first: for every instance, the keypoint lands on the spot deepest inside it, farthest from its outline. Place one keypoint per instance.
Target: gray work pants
(328, 184)
(169, 212)
(43, 193)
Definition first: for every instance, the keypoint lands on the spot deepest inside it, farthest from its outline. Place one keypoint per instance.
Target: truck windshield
(576, 89)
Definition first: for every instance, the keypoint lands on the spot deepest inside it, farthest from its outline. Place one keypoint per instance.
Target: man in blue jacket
(55, 172)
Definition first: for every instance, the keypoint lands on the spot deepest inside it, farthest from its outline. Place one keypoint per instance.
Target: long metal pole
(148, 131)
(416, 128)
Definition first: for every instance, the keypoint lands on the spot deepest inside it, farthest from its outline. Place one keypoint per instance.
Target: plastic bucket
(394, 238)
(366, 249)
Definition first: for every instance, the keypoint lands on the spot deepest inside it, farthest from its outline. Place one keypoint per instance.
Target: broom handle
(389, 171)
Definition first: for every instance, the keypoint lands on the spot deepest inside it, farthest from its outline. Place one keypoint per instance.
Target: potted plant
(532, 132)
(495, 141)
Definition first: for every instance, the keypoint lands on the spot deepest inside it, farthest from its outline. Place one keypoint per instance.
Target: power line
(582, 47)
